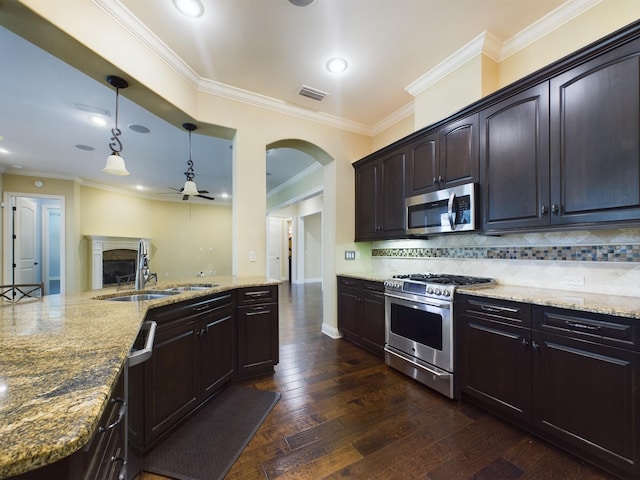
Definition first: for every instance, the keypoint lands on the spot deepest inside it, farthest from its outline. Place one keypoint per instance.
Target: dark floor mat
(205, 447)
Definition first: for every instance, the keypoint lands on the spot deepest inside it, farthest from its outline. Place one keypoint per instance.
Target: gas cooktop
(435, 285)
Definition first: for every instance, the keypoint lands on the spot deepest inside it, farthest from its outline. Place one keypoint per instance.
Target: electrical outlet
(349, 254)
(574, 280)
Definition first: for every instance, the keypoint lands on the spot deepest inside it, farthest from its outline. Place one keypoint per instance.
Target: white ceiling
(261, 50)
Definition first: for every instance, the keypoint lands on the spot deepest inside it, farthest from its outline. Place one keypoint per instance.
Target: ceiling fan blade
(204, 196)
(203, 191)
(185, 197)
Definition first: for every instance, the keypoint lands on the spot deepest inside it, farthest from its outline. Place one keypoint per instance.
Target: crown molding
(483, 43)
(394, 118)
(307, 171)
(545, 25)
(145, 36)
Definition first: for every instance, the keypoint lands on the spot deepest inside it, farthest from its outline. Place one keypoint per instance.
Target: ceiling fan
(190, 188)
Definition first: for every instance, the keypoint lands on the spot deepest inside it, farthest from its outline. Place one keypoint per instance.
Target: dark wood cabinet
(585, 385)
(571, 377)
(444, 157)
(495, 359)
(361, 313)
(514, 159)
(458, 152)
(258, 342)
(595, 139)
(193, 357)
(380, 208)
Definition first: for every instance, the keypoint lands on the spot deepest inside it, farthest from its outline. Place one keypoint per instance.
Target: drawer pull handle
(582, 326)
(121, 413)
(492, 309)
(122, 474)
(259, 311)
(202, 308)
(261, 293)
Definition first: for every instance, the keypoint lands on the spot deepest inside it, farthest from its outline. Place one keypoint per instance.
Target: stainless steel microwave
(447, 210)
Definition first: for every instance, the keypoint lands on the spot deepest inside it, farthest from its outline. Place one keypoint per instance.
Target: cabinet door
(217, 352)
(586, 396)
(458, 150)
(496, 365)
(595, 139)
(366, 201)
(422, 165)
(257, 339)
(391, 202)
(171, 377)
(371, 321)
(514, 159)
(348, 301)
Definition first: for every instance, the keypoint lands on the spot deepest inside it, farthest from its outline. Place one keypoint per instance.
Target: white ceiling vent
(314, 93)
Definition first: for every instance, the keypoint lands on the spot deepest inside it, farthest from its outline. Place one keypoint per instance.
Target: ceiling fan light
(190, 8)
(190, 188)
(115, 166)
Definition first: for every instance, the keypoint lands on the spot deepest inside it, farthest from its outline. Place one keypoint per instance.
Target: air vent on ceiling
(314, 93)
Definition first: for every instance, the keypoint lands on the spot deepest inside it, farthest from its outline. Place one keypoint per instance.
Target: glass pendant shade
(190, 188)
(115, 165)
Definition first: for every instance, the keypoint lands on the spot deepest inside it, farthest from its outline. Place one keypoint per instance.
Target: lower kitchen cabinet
(103, 457)
(361, 313)
(571, 377)
(193, 356)
(258, 342)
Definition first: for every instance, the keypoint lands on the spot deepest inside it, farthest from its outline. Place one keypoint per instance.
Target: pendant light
(189, 185)
(115, 163)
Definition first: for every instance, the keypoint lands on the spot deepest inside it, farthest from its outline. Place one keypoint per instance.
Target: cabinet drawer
(262, 294)
(606, 329)
(496, 310)
(196, 306)
(371, 286)
(349, 282)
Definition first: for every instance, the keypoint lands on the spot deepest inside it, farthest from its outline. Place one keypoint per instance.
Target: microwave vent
(311, 92)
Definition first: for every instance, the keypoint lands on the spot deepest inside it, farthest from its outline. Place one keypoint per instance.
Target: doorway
(33, 240)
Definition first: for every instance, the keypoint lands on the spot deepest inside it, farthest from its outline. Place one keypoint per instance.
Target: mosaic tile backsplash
(597, 261)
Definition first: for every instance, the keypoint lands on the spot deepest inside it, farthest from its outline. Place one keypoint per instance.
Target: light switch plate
(349, 254)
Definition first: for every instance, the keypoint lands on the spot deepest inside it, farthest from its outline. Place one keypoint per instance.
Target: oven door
(421, 328)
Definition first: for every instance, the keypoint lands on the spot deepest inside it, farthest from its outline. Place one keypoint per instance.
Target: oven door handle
(425, 301)
(419, 365)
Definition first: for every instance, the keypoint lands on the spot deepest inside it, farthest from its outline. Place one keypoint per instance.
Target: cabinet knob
(535, 346)
(544, 210)
(555, 209)
(524, 343)
(440, 179)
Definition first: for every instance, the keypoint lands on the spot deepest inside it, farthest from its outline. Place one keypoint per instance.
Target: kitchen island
(60, 357)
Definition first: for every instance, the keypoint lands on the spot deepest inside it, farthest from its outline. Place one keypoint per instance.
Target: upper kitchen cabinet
(595, 139)
(458, 152)
(443, 158)
(380, 208)
(514, 155)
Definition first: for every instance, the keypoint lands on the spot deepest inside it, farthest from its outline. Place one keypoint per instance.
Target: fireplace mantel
(101, 243)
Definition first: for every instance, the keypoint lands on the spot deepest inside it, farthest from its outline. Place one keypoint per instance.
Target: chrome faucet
(143, 275)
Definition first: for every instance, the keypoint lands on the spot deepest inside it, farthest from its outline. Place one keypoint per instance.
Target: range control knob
(429, 290)
(446, 293)
(436, 291)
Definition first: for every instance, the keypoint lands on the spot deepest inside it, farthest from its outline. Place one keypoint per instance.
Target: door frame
(7, 229)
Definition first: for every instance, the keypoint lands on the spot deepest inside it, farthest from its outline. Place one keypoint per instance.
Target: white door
(275, 248)
(26, 253)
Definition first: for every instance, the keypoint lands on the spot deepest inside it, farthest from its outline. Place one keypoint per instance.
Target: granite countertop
(588, 302)
(60, 357)
(619, 305)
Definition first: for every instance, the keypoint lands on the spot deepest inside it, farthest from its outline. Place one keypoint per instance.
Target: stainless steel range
(419, 326)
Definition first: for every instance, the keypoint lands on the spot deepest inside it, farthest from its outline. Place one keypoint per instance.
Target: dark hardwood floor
(345, 414)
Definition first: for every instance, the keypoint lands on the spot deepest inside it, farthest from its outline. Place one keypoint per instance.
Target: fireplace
(113, 259)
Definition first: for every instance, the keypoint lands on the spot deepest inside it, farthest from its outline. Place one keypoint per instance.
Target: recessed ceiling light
(139, 128)
(337, 65)
(139, 187)
(4, 150)
(190, 8)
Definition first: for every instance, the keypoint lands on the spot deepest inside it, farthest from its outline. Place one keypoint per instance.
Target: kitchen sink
(139, 296)
(193, 287)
